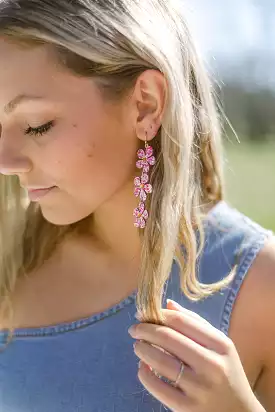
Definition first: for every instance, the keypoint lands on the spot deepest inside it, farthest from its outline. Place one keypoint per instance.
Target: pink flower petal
(139, 164)
(144, 178)
(137, 222)
(142, 195)
(151, 160)
(146, 167)
(148, 188)
(149, 151)
(142, 223)
(145, 215)
(141, 154)
(137, 181)
(136, 212)
(141, 207)
(137, 191)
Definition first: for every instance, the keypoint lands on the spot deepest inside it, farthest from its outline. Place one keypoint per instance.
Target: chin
(62, 217)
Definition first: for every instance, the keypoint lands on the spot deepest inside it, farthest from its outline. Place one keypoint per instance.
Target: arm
(252, 326)
(264, 271)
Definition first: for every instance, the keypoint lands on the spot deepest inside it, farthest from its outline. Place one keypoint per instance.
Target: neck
(113, 225)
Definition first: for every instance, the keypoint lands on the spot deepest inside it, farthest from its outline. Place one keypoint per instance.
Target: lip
(37, 194)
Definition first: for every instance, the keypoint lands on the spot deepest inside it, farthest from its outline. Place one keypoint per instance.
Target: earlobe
(148, 134)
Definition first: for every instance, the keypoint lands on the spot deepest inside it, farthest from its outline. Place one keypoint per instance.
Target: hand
(213, 378)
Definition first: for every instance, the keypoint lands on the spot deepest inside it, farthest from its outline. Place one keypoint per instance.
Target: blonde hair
(114, 42)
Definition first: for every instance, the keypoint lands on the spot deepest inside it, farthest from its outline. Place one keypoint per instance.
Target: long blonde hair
(113, 42)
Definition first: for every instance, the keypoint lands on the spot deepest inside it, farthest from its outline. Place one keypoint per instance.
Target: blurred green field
(250, 180)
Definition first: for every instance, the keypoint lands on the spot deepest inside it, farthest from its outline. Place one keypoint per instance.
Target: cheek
(94, 165)
(108, 164)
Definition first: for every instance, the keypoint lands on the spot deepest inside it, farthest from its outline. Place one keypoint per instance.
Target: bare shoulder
(262, 279)
(257, 293)
(252, 327)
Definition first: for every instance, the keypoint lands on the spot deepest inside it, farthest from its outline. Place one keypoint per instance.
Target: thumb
(172, 305)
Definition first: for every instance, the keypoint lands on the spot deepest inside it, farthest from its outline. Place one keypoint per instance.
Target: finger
(203, 334)
(172, 305)
(169, 367)
(185, 311)
(185, 349)
(171, 397)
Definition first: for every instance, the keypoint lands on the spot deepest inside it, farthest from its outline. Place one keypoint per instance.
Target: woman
(106, 112)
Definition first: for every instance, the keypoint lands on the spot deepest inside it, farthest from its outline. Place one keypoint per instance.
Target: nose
(13, 163)
(19, 166)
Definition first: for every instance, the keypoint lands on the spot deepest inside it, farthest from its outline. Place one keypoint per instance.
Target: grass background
(250, 180)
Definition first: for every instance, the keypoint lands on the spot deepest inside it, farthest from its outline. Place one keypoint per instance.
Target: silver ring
(182, 367)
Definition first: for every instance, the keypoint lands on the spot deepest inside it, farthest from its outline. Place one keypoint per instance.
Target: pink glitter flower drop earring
(142, 187)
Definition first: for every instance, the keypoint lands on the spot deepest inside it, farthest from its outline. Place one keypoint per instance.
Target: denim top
(89, 365)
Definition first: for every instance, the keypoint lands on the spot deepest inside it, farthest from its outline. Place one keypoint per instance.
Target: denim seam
(67, 327)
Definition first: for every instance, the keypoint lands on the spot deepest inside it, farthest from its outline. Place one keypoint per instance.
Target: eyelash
(39, 131)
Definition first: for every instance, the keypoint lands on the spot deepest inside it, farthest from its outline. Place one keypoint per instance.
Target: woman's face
(86, 147)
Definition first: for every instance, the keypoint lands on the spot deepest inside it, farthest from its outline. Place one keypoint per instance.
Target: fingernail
(132, 329)
(179, 307)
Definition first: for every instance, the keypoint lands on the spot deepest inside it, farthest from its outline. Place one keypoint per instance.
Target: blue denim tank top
(89, 365)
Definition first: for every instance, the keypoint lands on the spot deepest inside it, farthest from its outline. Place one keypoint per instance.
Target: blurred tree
(259, 114)
(250, 110)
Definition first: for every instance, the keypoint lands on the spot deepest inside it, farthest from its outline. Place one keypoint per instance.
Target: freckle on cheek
(90, 155)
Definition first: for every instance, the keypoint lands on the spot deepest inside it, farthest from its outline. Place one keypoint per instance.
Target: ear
(172, 305)
(149, 102)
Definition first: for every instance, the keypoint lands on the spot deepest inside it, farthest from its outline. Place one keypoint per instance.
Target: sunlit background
(237, 40)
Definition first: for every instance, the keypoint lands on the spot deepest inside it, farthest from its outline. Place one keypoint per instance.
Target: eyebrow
(11, 106)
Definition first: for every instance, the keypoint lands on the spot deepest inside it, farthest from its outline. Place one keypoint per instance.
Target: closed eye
(39, 131)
